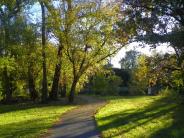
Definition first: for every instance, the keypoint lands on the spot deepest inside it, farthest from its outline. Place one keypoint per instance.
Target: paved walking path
(80, 122)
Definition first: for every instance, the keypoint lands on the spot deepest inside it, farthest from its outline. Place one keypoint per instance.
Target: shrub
(106, 84)
(169, 93)
(136, 90)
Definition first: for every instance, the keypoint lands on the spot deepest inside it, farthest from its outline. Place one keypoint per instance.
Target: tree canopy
(74, 39)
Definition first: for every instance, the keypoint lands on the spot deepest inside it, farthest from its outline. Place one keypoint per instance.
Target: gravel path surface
(79, 122)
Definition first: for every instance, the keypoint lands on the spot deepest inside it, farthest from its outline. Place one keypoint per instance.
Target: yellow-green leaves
(8, 63)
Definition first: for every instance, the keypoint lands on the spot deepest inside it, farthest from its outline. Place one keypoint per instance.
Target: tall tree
(87, 33)
(44, 81)
(8, 13)
(94, 40)
(60, 25)
(31, 48)
(57, 33)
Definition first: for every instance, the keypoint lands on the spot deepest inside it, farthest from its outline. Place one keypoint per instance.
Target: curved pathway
(79, 122)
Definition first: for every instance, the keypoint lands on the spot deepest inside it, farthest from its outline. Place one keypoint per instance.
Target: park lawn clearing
(141, 117)
(29, 120)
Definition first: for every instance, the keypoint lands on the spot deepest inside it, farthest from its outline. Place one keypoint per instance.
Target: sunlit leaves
(7, 62)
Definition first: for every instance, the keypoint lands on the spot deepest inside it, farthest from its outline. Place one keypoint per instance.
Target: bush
(106, 84)
(169, 93)
(136, 90)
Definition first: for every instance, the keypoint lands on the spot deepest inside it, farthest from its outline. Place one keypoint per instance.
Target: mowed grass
(141, 117)
(29, 120)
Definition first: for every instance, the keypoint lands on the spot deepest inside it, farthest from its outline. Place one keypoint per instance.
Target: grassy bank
(29, 120)
(141, 117)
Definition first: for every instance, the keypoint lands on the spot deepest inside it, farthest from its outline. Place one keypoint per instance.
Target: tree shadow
(130, 119)
(28, 128)
(6, 108)
(80, 100)
(27, 105)
(176, 129)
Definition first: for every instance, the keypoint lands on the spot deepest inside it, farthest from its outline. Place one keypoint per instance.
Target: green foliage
(9, 66)
(86, 38)
(157, 70)
(7, 62)
(177, 78)
(130, 60)
(150, 22)
(88, 33)
(170, 94)
(106, 84)
(140, 77)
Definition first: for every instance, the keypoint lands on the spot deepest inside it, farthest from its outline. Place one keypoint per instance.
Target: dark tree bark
(72, 91)
(44, 96)
(63, 86)
(55, 85)
(63, 90)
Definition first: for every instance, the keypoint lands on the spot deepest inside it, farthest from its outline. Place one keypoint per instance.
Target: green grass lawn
(141, 117)
(27, 120)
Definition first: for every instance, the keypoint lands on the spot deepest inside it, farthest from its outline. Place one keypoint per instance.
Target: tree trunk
(63, 90)
(55, 84)
(72, 91)
(44, 96)
(31, 84)
(63, 85)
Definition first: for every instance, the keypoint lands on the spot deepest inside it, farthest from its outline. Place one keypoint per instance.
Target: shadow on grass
(130, 119)
(28, 128)
(176, 129)
(4, 108)
(30, 123)
(26, 106)
(79, 100)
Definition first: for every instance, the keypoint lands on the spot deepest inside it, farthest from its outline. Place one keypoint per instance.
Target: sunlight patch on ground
(140, 117)
(29, 120)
